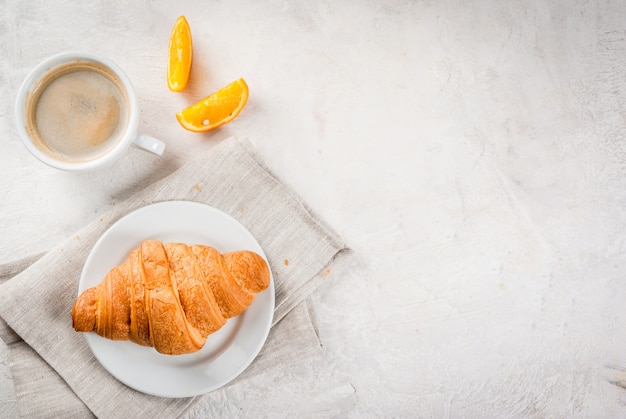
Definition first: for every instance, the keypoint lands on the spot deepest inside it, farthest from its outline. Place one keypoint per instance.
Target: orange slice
(216, 109)
(180, 54)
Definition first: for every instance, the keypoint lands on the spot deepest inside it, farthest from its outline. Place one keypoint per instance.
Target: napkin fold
(42, 358)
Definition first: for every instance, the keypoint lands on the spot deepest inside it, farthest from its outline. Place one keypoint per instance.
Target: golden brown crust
(231, 298)
(249, 270)
(196, 299)
(139, 329)
(117, 284)
(171, 296)
(84, 311)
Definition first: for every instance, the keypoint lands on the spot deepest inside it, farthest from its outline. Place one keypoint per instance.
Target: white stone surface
(472, 154)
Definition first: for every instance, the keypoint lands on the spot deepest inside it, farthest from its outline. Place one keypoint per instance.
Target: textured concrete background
(472, 153)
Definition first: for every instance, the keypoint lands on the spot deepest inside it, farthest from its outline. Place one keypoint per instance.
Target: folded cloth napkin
(43, 357)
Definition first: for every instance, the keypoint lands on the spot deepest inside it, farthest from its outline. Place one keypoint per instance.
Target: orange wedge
(216, 109)
(180, 54)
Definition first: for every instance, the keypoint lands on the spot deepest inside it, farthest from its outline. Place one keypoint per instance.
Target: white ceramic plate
(227, 352)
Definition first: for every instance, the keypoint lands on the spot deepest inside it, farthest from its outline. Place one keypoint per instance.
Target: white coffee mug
(79, 111)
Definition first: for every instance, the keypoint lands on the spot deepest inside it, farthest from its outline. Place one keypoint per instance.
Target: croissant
(171, 296)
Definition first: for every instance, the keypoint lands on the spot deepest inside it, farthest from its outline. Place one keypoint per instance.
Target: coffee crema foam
(77, 112)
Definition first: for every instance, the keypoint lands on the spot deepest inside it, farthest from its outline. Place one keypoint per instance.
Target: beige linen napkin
(42, 356)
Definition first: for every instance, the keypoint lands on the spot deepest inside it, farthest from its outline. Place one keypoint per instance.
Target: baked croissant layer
(171, 295)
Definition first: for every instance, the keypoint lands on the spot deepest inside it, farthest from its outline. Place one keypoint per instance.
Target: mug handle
(150, 144)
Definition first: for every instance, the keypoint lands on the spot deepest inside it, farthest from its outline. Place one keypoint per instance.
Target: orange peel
(180, 56)
(216, 109)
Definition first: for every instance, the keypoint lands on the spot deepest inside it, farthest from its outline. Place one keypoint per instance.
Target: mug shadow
(133, 172)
